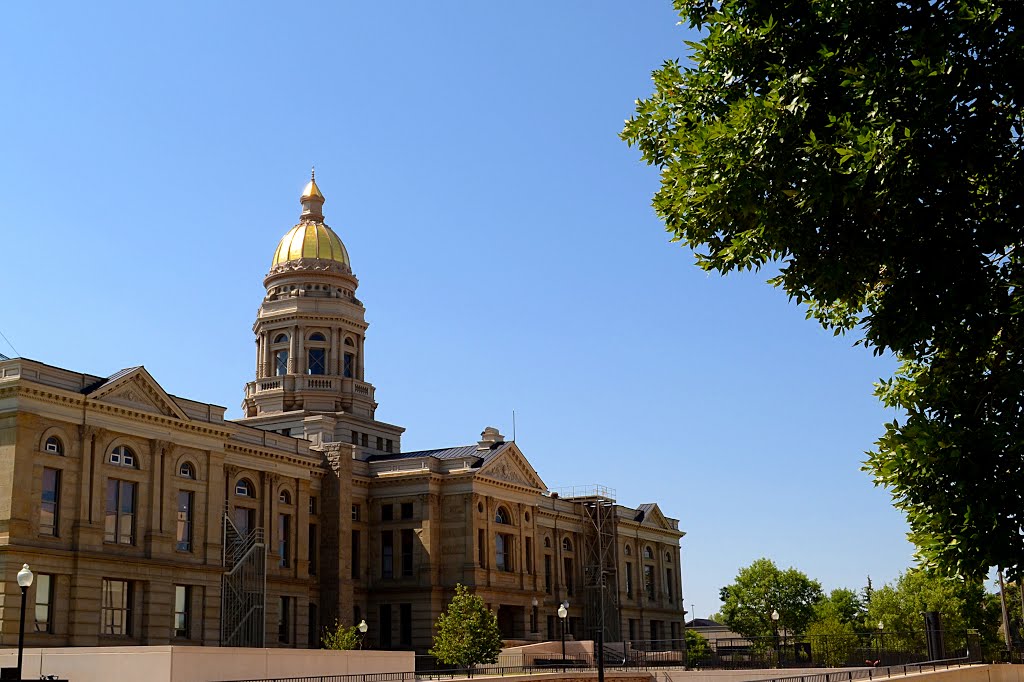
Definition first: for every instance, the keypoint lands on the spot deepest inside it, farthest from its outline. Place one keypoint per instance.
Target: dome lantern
(312, 200)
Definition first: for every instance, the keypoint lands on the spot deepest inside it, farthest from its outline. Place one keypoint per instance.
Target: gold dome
(310, 240)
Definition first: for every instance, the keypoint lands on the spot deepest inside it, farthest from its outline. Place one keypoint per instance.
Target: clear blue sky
(152, 156)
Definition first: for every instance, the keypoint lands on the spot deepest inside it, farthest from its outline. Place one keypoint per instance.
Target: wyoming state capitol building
(148, 518)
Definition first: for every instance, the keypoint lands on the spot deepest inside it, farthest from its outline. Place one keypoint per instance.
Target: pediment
(512, 467)
(654, 517)
(137, 389)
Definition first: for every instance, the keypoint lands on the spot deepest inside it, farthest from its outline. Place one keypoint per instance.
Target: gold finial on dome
(312, 199)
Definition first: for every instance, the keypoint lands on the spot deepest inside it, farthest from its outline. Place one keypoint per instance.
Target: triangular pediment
(654, 517)
(136, 388)
(512, 467)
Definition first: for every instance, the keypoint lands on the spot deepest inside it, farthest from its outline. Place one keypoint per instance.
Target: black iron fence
(870, 651)
(368, 677)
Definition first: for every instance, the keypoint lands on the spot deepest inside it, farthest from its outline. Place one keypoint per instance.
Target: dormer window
(186, 470)
(54, 446)
(122, 456)
(244, 488)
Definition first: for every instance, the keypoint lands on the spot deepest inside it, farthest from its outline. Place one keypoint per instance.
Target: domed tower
(310, 332)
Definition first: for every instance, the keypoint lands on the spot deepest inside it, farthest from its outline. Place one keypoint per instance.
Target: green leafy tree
(833, 641)
(340, 637)
(962, 605)
(843, 606)
(697, 648)
(870, 151)
(761, 588)
(467, 632)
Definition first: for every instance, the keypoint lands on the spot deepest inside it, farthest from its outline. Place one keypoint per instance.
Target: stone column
(300, 367)
(293, 351)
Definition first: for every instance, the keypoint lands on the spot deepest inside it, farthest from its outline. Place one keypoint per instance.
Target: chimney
(489, 438)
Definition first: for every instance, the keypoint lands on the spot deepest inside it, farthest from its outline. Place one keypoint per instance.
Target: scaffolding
(600, 560)
(243, 590)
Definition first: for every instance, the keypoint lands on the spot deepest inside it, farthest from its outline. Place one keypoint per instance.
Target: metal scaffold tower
(243, 589)
(600, 564)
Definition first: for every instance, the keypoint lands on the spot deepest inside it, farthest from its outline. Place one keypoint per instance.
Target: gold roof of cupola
(311, 239)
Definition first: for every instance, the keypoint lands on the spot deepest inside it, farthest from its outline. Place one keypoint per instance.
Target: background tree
(833, 641)
(697, 648)
(872, 151)
(467, 632)
(761, 588)
(844, 607)
(340, 637)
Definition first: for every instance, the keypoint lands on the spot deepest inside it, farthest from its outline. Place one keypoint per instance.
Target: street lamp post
(362, 627)
(878, 649)
(533, 614)
(563, 611)
(775, 628)
(24, 582)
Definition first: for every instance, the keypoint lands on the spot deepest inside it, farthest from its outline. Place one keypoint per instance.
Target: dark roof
(457, 452)
(643, 510)
(703, 623)
(109, 380)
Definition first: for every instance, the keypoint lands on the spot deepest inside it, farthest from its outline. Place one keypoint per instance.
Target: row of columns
(266, 365)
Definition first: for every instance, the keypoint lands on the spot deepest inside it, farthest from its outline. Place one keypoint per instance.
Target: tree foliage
(340, 637)
(761, 588)
(467, 632)
(834, 641)
(697, 647)
(872, 151)
(842, 606)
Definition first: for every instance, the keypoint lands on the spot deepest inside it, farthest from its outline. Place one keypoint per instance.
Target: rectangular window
(632, 629)
(387, 512)
(120, 518)
(355, 438)
(312, 505)
(281, 363)
(529, 556)
(481, 549)
(405, 625)
(182, 610)
(380, 443)
(387, 554)
(284, 621)
(503, 552)
(44, 599)
(385, 626)
(312, 549)
(244, 520)
(407, 543)
(116, 607)
(364, 439)
(407, 510)
(649, 582)
(317, 361)
(629, 580)
(547, 573)
(284, 545)
(389, 446)
(356, 512)
(184, 521)
(668, 584)
(49, 509)
(567, 575)
(355, 556)
(348, 369)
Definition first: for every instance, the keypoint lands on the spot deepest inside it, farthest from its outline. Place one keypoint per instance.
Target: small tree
(340, 637)
(467, 632)
(697, 648)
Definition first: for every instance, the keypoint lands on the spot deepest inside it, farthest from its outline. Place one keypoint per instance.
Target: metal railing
(367, 677)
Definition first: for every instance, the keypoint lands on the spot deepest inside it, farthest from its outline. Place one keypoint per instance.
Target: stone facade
(121, 499)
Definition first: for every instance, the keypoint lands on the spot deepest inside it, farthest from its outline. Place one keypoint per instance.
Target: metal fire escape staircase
(600, 567)
(243, 590)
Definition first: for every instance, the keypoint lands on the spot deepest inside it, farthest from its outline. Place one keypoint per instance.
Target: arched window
(668, 557)
(348, 368)
(281, 338)
(316, 354)
(186, 470)
(566, 545)
(54, 445)
(648, 552)
(628, 550)
(123, 456)
(501, 516)
(245, 488)
(280, 354)
(349, 341)
(284, 497)
(547, 543)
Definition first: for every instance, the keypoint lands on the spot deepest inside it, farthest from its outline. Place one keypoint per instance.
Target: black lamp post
(878, 649)
(362, 627)
(775, 627)
(563, 611)
(24, 582)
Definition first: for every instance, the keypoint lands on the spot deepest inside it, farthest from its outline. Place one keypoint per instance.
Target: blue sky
(509, 259)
